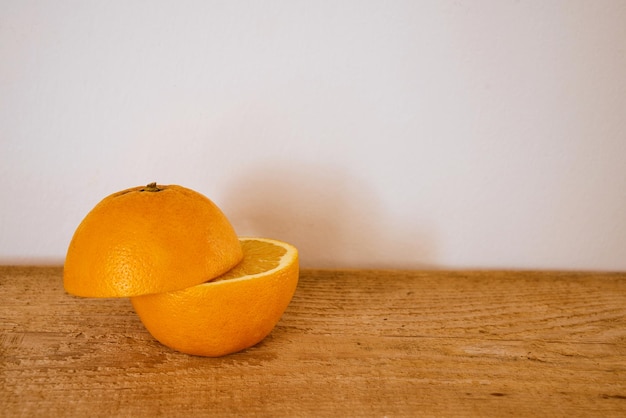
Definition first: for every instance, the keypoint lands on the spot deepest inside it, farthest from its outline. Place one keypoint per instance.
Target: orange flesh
(259, 258)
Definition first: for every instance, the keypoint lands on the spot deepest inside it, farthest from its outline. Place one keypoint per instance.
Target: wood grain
(352, 343)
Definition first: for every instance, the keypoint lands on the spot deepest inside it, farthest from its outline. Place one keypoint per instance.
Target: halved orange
(233, 312)
(149, 239)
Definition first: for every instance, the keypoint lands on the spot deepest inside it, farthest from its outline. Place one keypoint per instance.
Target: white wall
(394, 134)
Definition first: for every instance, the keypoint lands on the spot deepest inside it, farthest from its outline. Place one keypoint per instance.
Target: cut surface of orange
(230, 313)
(149, 239)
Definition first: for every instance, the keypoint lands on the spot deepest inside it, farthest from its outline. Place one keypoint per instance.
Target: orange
(150, 239)
(231, 313)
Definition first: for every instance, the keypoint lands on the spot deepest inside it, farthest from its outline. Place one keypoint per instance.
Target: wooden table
(352, 343)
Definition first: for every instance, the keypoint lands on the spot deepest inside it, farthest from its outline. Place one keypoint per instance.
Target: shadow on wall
(333, 219)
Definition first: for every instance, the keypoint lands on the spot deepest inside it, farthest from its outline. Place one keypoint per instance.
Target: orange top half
(149, 239)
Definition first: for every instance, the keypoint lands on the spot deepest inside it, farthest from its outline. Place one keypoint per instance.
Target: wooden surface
(352, 343)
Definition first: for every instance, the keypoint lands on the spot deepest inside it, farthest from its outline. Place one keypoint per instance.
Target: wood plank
(352, 343)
